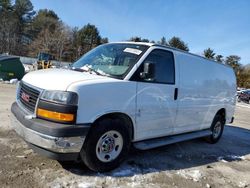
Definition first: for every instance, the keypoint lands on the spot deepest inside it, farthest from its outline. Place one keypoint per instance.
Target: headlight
(59, 106)
(62, 97)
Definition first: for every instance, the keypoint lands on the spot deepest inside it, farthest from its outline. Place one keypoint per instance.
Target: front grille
(28, 96)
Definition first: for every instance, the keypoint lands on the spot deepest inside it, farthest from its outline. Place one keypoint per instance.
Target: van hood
(58, 79)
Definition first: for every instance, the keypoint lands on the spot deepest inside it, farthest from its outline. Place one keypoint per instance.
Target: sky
(222, 25)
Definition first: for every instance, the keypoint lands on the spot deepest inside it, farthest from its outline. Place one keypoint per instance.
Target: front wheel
(106, 145)
(217, 128)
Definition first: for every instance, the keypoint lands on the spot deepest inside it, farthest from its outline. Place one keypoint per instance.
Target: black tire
(218, 121)
(90, 150)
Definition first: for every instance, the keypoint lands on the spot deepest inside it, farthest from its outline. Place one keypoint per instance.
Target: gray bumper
(54, 140)
(51, 143)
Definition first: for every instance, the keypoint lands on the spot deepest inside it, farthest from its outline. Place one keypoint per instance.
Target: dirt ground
(188, 164)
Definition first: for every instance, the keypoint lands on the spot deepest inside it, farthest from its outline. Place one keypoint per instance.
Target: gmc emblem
(25, 97)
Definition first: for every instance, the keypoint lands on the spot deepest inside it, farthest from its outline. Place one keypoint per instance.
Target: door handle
(175, 93)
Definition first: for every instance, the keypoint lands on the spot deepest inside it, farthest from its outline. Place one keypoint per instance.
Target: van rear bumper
(54, 140)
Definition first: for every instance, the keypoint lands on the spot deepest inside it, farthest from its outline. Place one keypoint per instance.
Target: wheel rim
(109, 146)
(217, 130)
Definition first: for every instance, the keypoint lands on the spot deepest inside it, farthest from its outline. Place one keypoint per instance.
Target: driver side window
(164, 69)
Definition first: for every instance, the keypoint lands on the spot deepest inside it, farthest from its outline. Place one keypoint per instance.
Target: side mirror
(148, 70)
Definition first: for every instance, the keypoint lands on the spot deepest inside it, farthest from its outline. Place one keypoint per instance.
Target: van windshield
(113, 60)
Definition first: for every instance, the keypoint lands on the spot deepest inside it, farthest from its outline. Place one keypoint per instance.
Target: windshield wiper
(89, 69)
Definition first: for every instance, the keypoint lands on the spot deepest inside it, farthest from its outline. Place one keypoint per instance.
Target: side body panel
(204, 88)
(99, 98)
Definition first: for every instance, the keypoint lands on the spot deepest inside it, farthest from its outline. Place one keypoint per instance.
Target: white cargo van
(120, 94)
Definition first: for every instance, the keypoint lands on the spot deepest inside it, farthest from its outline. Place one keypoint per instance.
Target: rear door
(156, 103)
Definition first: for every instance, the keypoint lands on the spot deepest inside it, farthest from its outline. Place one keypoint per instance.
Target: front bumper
(46, 137)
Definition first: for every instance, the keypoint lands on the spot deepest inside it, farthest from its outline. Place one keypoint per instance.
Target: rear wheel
(106, 145)
(217, 128)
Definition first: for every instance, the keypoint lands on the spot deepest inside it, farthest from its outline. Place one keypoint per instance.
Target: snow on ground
(229, 158)
(195, 175)
(244, 105)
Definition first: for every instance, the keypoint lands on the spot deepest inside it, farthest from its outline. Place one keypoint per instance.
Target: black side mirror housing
(148, 70)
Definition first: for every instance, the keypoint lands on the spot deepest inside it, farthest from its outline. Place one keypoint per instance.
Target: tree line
(25, 32)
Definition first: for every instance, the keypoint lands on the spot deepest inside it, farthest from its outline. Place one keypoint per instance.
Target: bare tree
(53, 42)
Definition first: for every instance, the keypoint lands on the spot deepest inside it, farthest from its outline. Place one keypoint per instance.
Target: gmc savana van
(120, 94)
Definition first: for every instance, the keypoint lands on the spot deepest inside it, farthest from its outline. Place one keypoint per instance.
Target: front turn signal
(56, 116)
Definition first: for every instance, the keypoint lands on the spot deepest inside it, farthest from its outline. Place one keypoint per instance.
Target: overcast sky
(223, 25)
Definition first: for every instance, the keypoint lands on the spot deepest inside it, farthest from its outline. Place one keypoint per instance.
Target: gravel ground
(188, 164)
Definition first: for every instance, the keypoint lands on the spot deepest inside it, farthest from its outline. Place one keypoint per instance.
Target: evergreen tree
(176, 42)
(163, 41)
(219, 58)
(209, 53)
(138, 39)
(88, 37)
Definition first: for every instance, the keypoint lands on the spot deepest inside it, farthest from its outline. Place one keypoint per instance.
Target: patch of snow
(56, 185)
(21, 156)
(144, 177)
(134, 184)
(236, 157)
(242, 184)
(125, 172)
(85, 185)
(195, 175)
(229, 158)
(243, 105)
(111, 180)
(222, 159)
(13, 81)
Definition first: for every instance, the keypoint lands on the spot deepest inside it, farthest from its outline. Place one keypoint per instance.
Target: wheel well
(125, 118)
(222, 112)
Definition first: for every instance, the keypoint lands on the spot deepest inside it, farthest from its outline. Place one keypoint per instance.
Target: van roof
(159, 45)
(169, 47)
(131, 42)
